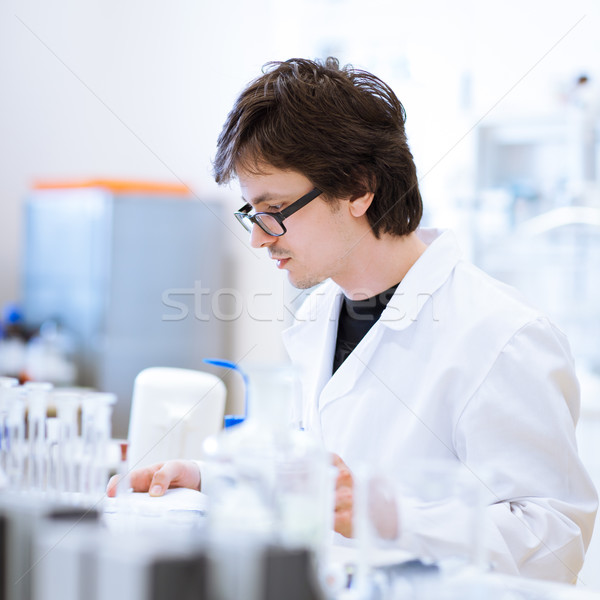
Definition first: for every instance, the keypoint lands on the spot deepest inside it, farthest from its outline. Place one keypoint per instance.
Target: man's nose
(260, 239)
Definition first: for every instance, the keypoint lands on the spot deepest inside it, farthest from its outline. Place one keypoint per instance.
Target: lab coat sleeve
(516, 438)
(206, 475)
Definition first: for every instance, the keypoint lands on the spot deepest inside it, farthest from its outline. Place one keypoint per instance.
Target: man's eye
(276, 208)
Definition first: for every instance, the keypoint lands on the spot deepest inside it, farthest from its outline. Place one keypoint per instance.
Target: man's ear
(358, 206)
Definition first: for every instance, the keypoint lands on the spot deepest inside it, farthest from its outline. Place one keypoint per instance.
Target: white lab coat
(458, 367)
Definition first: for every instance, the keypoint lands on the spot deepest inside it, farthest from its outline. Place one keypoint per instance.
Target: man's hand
(344, 498)
(157, 478)
(381, 505)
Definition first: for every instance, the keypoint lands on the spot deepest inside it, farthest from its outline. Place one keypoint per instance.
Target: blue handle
(231, 420)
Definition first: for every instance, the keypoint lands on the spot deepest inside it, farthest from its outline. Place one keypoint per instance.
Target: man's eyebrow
(268, 197)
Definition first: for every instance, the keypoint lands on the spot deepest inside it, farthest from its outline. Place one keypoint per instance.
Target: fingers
(175, 473)
(344, 478)
(111, 488)
(336, 460)
(162, 480)
(158, 478)
(344, 507)
(344, 498)
(342, 523)
(140, 479)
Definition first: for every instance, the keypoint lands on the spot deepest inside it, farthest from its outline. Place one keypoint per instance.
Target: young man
(407, 353)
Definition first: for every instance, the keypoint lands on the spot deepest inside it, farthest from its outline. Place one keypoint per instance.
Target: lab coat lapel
(345, 378)
(310, 344)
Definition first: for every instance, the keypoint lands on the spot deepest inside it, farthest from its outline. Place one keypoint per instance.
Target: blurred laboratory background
(148, 267)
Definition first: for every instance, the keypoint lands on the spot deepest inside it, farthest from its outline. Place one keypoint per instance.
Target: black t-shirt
(356, 318)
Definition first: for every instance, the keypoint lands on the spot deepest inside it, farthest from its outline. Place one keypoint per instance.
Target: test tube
(124, 482)
(5, 384)
(86, 471)
(15, 437)
(123, 491)
(103, 428)
(67, 405)
(96, 431)
(53, 455)
(37, 401)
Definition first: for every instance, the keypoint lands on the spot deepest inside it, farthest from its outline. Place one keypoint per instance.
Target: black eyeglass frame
(245, 218)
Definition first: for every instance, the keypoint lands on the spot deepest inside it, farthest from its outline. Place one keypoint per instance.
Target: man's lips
(281, 260)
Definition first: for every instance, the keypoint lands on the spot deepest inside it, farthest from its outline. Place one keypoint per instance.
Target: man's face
(320, 237)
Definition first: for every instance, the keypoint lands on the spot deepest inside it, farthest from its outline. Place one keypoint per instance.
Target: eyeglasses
(272, 222)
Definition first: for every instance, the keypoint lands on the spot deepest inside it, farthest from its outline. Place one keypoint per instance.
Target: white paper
(176, 499)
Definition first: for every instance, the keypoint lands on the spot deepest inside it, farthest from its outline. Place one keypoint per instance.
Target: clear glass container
(264, 474)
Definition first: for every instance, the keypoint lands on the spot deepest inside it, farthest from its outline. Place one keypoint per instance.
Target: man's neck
(379, 264)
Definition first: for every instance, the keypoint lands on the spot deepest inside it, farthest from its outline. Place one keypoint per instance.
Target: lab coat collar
(425, 277)
(311, 341)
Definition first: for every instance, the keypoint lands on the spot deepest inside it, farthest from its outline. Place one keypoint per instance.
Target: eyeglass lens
(270, 224)
(265, 221)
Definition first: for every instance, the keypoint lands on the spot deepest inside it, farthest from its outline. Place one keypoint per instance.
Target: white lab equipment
(173, 411)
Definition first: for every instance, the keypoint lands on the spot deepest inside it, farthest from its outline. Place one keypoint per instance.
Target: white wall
(125, 89)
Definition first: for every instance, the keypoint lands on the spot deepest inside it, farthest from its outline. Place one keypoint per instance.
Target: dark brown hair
(342, 128)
